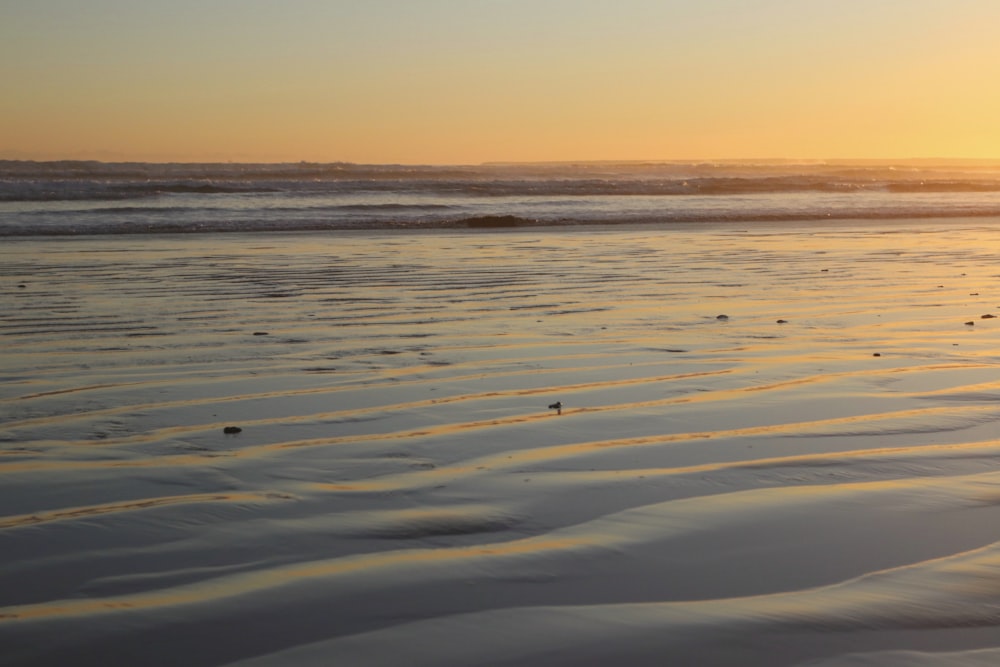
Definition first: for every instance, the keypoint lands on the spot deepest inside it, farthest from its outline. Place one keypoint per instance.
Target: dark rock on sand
(987, 316)
(260, 333)
(782, 322)
(722, 317)
(232, 429)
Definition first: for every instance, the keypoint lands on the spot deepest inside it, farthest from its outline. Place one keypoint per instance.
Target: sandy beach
(777, 445)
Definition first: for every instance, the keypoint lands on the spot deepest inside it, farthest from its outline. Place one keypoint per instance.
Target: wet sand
(777, 446)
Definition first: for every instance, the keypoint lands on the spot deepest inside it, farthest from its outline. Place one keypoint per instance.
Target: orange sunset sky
(468, 81)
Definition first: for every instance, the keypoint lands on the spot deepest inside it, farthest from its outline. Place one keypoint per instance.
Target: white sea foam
(138, 198)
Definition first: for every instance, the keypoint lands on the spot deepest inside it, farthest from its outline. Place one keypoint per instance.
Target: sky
(472, 81)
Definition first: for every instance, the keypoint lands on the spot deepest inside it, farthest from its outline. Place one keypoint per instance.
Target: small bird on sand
(557, 406)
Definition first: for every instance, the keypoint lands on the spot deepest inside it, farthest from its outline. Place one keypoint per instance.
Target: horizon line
(506, 163)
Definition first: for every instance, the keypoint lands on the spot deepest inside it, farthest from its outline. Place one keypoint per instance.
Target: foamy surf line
(88, 198)
(772, 446)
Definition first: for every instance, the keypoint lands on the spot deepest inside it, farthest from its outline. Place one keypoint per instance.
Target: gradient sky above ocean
(466, 81)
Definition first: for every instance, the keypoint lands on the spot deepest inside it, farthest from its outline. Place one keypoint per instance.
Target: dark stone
(782, 322)
(232, 429)
(260, 333)
(987, 316)
(970, 324)
(877, 354)
(722, 317)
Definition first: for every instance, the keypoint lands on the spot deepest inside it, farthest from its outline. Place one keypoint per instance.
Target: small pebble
(970, 324)
(722, 317)
(987, 316)
(877, 354)
(782, 322)
(232, 429)
(260, 333)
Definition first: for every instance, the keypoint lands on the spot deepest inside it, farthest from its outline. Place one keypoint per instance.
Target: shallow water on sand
(776, 445)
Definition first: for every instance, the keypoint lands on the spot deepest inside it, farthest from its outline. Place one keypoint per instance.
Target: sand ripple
(714, 491)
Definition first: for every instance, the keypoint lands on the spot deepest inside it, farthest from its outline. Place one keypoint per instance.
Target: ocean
(119, 198)
(511, 415)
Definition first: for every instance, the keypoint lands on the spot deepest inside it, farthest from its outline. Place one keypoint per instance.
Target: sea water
(102, 198)
(777, 445)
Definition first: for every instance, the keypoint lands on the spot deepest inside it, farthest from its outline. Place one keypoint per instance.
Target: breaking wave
(96, 198)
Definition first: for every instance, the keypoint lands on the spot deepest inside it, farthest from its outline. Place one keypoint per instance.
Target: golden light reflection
(47, 516)
(246, 584)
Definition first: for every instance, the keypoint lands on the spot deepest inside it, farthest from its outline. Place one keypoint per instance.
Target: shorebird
(557, 406)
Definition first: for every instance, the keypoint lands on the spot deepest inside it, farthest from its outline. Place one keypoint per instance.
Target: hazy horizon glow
(466, 81)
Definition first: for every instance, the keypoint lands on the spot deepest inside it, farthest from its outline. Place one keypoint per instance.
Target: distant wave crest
(114, 198)
(74, 180)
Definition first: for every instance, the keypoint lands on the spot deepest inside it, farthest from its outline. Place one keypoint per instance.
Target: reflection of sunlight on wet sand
(149, 503)
(398, 473)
